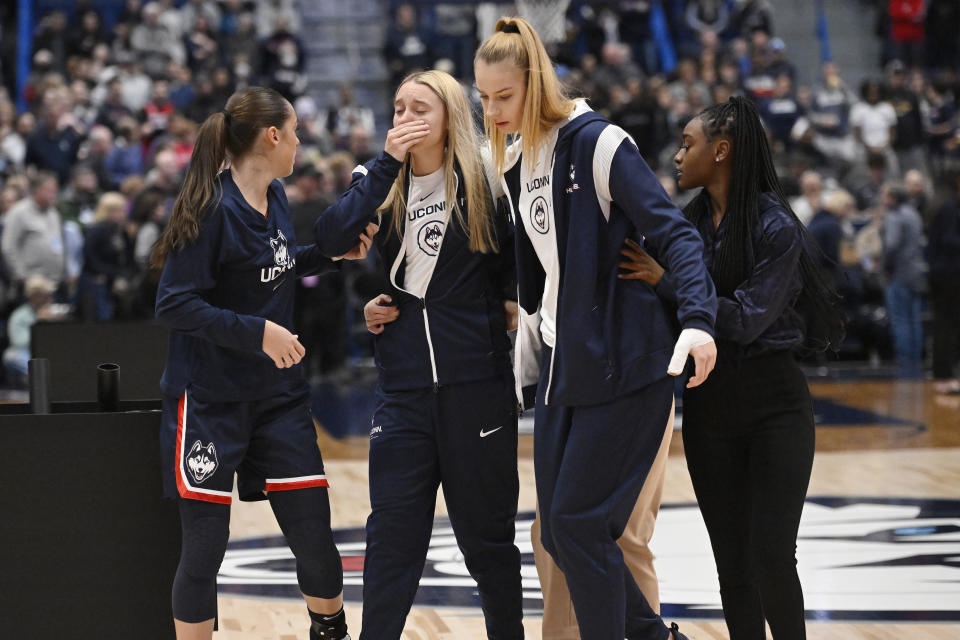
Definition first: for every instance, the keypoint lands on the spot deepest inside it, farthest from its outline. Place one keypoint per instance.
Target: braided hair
(752, 173)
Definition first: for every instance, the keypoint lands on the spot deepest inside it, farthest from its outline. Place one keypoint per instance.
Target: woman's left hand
(640, 266)
(513, 314)
(360, 251)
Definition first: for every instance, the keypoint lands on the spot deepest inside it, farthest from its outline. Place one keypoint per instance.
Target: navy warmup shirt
(216, 292)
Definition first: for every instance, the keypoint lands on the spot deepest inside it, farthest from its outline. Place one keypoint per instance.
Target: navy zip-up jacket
(457, 332)
(216, 293)
(613, 336)
(760, 317)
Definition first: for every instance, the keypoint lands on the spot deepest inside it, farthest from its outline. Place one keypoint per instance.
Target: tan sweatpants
(559, 621)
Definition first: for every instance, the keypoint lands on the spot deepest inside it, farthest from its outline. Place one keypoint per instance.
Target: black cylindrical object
(38, 378)
(108, 386)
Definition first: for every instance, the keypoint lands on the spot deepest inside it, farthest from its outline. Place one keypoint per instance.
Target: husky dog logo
(282, 260)
(430, 237)
(279, 246)
(538, 215)
(202, 461)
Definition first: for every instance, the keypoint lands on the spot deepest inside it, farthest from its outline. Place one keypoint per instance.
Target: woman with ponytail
(446, 415)
(234, 396)
(748, 431)
(597, 348)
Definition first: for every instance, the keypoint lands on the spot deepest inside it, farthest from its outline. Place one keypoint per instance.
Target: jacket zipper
(426, 320)
(433, 361)
(556, 312)
(423, 301)
(546, 394)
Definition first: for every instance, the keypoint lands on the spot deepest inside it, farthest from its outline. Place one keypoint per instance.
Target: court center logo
(539, 219)
(859, 559)
(202, 461)
(430, 237)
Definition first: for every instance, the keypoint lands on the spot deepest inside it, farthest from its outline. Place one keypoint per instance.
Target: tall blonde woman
(578, 188)
(446, 413)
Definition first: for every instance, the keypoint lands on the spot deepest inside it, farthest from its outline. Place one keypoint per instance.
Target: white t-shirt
(874, 121)
(428, 213)
(535, 210)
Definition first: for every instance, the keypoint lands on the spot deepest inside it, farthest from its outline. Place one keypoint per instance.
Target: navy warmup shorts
(270, 444)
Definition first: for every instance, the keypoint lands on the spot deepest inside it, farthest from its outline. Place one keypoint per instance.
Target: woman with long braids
(446, 414)
(598, 349)
(234, 396)
(748, 431)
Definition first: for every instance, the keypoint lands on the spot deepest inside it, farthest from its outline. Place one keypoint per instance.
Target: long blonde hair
(546, 104)
(463, 147)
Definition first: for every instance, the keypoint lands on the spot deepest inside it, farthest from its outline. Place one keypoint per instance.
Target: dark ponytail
(753, 173)
(224, 135)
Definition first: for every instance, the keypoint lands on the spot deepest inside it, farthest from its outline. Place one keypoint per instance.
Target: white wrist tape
(689, 339)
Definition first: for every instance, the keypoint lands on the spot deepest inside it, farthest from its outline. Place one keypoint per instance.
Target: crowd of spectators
(90, 168)
(872, 170)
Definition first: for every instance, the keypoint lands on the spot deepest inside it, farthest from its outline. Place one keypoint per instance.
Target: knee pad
(204, 544)
(206, 528)
(304, 517)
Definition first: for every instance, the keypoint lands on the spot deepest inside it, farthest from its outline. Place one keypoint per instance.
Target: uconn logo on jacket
(282, 259)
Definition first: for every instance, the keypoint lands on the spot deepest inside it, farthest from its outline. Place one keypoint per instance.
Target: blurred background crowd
(94, 138)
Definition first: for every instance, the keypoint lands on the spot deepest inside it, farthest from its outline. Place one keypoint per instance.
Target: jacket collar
(565, 129)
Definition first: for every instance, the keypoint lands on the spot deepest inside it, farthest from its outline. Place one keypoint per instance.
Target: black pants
(946, 329)
(748, 435)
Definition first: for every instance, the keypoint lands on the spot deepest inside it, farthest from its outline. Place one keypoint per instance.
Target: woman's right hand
(379, 312)
(281, 345)
(403, 136)
(359, 252)
(639, 264)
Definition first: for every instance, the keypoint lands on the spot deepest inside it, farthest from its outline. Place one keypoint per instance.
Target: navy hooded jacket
(457, 332)
(613, 336)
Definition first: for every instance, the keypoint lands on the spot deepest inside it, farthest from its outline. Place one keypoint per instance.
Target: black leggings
(304, 518)
(748, 435)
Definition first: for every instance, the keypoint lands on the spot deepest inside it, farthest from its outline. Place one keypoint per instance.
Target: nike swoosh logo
(484, 434)
(427, 196)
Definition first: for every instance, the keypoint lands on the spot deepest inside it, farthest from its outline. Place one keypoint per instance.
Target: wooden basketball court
(892, 445)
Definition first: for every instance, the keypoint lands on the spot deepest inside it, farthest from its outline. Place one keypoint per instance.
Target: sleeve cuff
(254, 327)
(699, 323)
(388, 162)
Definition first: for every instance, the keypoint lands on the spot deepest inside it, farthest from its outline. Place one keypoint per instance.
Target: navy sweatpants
(590, 465)
(463, 437)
